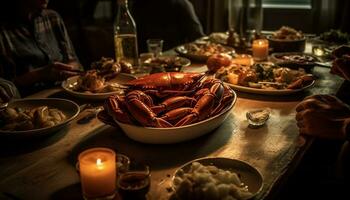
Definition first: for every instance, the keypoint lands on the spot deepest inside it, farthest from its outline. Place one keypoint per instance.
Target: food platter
(265, 78)
(295, 60)
(68, 108)
(248, 174)
(169, 135)
(276, 92)
(120, 79)
(201, 51)
(169, 63)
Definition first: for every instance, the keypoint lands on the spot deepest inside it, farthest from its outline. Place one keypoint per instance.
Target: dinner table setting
(204, 120)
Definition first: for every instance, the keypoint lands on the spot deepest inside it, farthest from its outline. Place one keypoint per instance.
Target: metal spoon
(87, 118)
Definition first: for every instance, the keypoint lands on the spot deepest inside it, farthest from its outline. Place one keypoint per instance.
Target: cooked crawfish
(167, 84)
(189, 100)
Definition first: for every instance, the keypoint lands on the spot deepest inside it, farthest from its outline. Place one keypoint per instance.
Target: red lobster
(167, 84)
(209, 98)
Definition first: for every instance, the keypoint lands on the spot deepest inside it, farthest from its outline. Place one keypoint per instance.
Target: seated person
(174, 21)
(35, 49)
(326, 116)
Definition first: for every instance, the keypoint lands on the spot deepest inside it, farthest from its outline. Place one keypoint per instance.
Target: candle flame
(260, 42)
(98, 162)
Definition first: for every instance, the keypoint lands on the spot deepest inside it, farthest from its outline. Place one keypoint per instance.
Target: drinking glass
(155, 46)
(135, 182)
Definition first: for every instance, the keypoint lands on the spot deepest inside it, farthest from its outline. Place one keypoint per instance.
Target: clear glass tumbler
(155, 46)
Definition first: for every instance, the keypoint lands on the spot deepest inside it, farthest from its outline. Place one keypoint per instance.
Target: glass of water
(155, 46)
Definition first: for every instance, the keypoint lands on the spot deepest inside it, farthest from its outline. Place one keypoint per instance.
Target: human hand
(330, 104)
(341, 64)
(58, 71)
(341, 67)
(322, 116)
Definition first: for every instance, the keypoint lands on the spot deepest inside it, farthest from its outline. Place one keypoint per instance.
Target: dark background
(89, 22)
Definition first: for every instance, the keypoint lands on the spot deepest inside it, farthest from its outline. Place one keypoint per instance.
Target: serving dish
(265, 78)
(68, 108)
(287, 39)
(284, 45)
(69, 84)
(276, 92)
(169, 63)
(247, 174)
(295, 60)
(169, 135)
(200, 52)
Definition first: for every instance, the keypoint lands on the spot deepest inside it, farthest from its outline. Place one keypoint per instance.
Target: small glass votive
(258, 117)
(144, 58)
(260, 48)
(318, 50)
(97, 169)
(155, 46)
(135, 183)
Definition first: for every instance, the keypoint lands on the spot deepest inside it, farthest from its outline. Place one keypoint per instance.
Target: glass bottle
(125, 37)
(245, 16)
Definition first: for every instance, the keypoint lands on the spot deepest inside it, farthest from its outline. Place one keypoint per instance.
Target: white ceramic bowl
(176, 134)
(248, 174)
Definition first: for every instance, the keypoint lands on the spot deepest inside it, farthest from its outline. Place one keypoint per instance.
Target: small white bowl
(152, 135)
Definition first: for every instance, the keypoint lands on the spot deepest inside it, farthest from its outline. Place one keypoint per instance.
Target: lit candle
(243, 59)
(260, 49)
(97, 173)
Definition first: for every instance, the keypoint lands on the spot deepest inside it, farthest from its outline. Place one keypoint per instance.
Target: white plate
(249, 175)
(152, 135)
(69, 108)
(119, 79)
(268, 92)
(183, 51)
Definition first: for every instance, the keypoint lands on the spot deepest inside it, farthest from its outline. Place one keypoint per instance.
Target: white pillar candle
(97, 172)
(260, 49)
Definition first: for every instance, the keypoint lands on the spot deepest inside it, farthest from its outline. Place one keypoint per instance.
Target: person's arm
(55, 72)
(30, 78)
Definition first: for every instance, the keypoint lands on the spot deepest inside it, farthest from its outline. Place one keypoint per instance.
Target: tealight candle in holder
(260, 49)
(97, 168)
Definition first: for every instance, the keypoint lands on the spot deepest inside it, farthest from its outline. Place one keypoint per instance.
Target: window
(306, 4)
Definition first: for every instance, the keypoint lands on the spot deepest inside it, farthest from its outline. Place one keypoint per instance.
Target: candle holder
(97, 167)
(260, 48)
(135, 183)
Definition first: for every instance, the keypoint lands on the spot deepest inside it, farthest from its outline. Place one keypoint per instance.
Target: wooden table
(45, 168)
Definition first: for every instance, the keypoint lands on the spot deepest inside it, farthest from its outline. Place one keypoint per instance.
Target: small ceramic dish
(279, 45)
(258, 117)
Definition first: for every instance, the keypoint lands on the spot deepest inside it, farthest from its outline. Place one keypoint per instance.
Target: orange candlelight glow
(243, 59)
(98, 172)
(260, 49)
